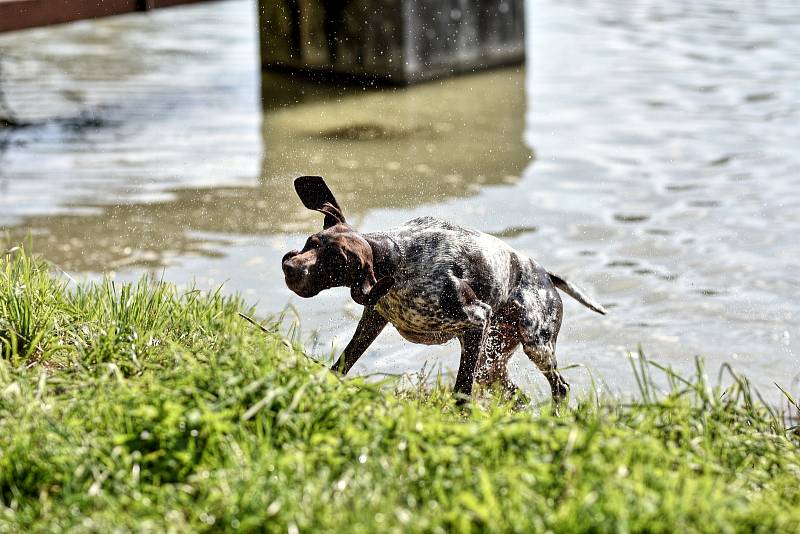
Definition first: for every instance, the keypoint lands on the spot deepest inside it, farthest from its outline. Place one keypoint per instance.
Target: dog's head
(335, 257)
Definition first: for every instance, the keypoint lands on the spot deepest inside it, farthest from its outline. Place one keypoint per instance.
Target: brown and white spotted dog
(435, 281)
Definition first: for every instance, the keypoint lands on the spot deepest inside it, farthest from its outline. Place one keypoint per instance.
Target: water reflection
(388, 148)
(399, 147)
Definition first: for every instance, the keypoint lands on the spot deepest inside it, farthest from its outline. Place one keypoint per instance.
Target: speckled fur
(435, 256)
(436, 281)
(512, 288)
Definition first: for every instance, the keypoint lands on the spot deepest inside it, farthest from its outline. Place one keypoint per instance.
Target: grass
(146, 408)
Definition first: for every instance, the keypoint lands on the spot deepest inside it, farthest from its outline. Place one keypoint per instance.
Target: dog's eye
(312, 242)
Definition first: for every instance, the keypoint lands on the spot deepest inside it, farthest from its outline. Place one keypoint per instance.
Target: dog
(435, 281)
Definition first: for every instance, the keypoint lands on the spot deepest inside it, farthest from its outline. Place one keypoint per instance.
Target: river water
(648, 151)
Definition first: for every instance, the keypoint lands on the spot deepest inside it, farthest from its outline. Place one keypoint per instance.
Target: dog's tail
(575, 293)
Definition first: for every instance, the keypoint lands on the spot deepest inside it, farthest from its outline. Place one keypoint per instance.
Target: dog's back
(432, 249)
(435, 252)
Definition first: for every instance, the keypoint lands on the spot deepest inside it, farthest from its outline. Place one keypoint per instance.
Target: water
(665, 180)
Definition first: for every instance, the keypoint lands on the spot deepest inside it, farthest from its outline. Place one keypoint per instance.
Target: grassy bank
(147, 408)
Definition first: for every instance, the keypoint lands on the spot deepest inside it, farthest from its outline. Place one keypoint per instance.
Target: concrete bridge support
(398, 41)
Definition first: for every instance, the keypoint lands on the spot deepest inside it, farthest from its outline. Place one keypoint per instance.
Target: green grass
(145, 408)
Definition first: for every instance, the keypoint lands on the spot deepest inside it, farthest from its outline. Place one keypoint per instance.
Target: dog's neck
(386, 254)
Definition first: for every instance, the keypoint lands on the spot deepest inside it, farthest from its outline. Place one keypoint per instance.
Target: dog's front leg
(370, 325)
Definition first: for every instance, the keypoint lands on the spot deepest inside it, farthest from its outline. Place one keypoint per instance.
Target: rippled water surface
(666, 179)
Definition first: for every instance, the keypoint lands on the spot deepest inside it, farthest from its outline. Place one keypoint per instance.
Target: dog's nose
(293, 270)
(289, 255)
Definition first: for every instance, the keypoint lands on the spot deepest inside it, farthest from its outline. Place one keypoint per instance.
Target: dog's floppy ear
(315, 195)
(366, 289)
(369, 291)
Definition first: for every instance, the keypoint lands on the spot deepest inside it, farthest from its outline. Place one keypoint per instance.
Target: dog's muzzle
(296, 275)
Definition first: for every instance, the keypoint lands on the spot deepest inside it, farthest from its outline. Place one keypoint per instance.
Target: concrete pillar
(399, 41)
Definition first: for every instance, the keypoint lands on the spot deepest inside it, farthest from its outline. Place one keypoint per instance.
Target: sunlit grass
(144, 407)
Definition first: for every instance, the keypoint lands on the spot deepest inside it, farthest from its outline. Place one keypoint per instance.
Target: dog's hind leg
(459, 303)
(472, 342)
(502, 340)
(539, 325)
(545, 359)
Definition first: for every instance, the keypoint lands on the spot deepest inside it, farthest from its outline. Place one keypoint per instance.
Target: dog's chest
(405, 308)
(416, 315)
